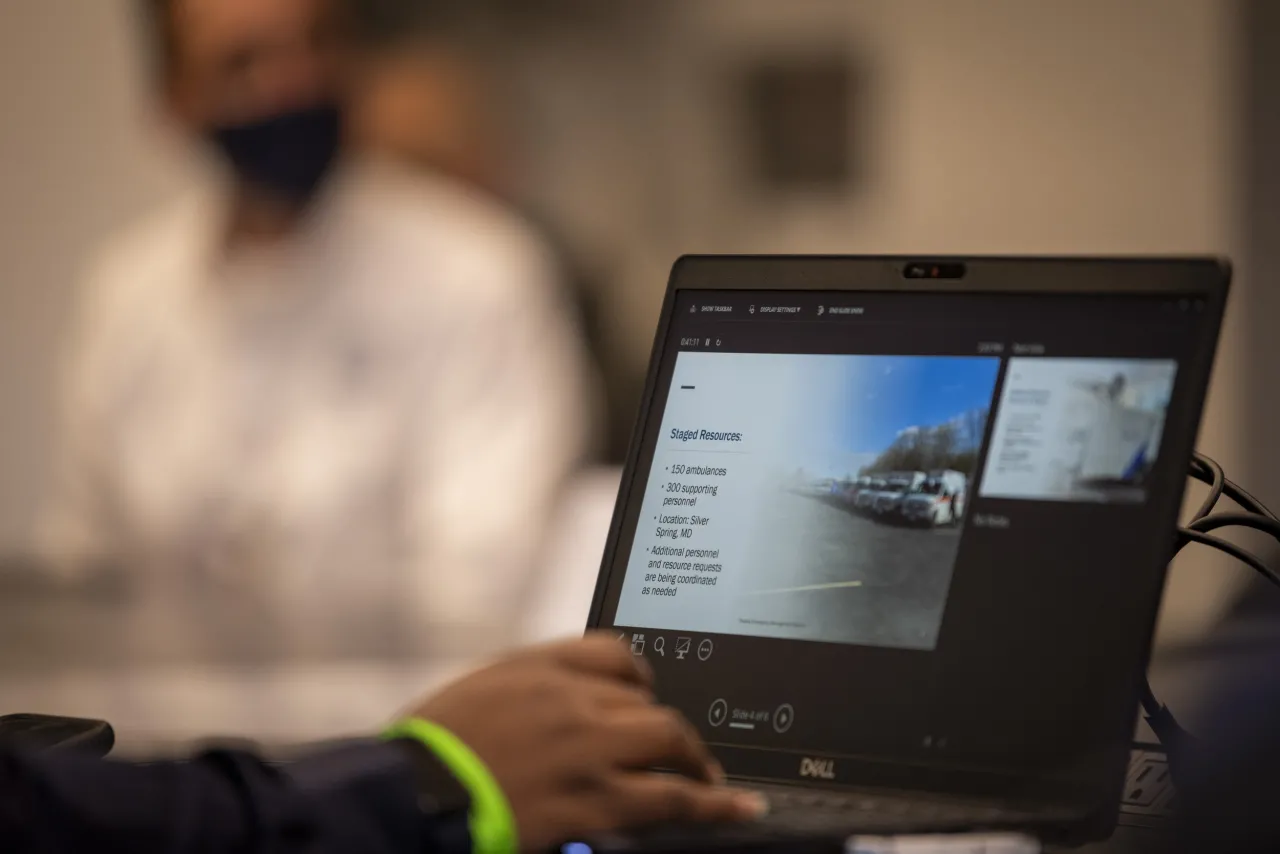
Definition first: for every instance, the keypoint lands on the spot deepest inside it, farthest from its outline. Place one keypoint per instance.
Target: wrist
(443, 803)
(490, 819)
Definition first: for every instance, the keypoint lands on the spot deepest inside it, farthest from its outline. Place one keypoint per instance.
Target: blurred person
(321, 373)
(543, 747)
(429, 98)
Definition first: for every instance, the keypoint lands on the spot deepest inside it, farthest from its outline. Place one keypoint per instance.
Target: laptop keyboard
(803, 808)
(807, 820)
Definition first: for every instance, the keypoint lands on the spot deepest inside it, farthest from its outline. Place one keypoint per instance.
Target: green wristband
(493, 825)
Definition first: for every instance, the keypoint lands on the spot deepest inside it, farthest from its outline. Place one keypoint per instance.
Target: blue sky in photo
(895, 393)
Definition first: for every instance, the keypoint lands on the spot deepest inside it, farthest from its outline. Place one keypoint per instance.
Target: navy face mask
(286, 155)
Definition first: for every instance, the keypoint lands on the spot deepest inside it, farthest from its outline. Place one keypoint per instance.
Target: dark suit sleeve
(357, 798)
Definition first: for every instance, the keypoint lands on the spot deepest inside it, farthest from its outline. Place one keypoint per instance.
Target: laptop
(893, 532)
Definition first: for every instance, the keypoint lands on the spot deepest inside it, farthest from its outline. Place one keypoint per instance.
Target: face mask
(287, 155)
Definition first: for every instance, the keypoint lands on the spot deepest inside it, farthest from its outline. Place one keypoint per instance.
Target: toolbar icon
(682, 647)
(660, 646)
(705, 649)
(637, 644)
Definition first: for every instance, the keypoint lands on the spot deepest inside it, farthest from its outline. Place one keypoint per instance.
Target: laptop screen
(920, 529)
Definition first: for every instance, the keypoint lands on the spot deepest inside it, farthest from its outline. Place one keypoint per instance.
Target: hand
(569, 732)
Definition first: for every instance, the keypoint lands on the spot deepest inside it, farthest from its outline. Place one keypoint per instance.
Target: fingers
(615, 696)
(658, 737)
(601, 655)
(645, 799)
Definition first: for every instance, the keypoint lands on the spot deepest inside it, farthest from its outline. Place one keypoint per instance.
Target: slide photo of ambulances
(888, 502)
(938, 502)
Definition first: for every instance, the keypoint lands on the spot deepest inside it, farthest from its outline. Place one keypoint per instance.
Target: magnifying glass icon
(660, 646)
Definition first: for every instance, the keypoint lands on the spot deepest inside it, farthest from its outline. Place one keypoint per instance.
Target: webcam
(933, 270)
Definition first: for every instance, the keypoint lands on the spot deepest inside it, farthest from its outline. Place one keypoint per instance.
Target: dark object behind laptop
(1230, 781)
(49, 732)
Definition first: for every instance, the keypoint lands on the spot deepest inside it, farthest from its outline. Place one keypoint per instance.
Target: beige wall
(993, 126)
(75, 160)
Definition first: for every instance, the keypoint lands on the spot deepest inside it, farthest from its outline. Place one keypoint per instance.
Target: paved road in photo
(829, 574)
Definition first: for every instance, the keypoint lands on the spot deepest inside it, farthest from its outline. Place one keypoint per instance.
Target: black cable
(1238, 494)
(1256, 516)
(1236, 520)
(1246, 557)
(1149, 702)
(1207, 471)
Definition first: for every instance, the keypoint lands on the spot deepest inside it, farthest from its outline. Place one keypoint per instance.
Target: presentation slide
(1078, 429)
(808, 497)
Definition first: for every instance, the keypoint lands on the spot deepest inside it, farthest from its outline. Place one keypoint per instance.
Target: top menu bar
(827, 306)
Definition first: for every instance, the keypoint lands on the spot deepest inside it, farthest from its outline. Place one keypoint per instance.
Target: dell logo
(820, 769)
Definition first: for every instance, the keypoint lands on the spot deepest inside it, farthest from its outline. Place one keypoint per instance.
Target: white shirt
(377, 413)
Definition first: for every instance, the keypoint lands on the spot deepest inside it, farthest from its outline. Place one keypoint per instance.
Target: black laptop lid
(906, 523)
